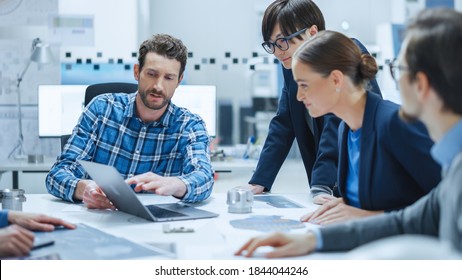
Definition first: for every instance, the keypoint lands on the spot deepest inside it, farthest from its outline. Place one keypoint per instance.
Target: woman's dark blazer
(395, 165)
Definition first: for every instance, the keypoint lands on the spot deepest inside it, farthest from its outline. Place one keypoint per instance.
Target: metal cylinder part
(12, 199)
(239, 200)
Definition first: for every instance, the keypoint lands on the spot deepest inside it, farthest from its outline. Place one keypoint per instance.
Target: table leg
(15, 180)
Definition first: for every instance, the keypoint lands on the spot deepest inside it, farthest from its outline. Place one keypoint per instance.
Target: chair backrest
(64, 139)
(98, 89)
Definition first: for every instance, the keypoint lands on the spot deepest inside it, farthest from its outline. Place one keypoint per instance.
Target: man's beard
(146, 103)
(408, 118)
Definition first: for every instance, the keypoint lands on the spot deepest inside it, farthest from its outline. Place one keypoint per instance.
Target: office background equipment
(389, 39)
(72, 30)
(201, 100)
(26, 174)
(35, 158)
(40, 54)
(249, 148)
(93, 72)
(59, 108)
(88, 243)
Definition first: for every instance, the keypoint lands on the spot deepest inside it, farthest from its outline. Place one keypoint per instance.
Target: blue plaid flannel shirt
(109, 132)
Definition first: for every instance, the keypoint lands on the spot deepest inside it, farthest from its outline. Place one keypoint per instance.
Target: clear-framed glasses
(396, 69)
(281, 43)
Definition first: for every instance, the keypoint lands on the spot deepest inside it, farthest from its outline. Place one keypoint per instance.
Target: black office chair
(97, 89)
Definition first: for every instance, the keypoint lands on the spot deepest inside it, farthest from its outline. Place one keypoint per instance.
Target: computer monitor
(59, 108)
(201, 100)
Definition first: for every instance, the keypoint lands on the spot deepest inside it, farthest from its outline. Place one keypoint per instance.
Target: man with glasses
(395, 69)
(316, 138)
(430, 88)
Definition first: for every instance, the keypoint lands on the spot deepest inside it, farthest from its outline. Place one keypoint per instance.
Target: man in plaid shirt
(157, 146)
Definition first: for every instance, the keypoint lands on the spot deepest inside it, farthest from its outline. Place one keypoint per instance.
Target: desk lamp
(41, 54)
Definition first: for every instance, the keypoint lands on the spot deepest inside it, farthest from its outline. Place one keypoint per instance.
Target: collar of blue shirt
(449, 146)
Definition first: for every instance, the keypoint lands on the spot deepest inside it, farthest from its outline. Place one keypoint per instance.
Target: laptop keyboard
(163, 213)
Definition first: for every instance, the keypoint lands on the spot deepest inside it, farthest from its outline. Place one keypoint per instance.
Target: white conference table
(212, 238)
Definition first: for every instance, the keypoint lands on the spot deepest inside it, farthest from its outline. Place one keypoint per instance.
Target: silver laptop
(125, 199)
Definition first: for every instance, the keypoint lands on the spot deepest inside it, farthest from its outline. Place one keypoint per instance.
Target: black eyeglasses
(281, 43)
(395, 69)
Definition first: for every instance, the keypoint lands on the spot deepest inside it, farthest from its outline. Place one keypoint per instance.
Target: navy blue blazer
(395, 165)
(319, 150)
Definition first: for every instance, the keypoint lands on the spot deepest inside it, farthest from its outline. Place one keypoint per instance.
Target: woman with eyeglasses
(286, 25)
(384, 163)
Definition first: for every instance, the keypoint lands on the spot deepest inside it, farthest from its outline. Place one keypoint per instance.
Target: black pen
(42, 242)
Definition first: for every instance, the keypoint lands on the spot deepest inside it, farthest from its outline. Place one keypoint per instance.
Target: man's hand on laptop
(93, 196)
(158, 184)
